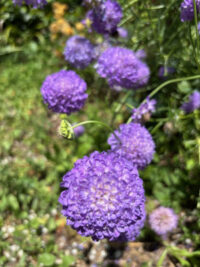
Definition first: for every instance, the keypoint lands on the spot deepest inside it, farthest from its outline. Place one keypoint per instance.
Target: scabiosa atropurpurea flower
(193, 103)
(104, 198)
(105, 17)
(121, 67)
(79, 51)
(64, 92)
(136, 144)
(34, 3)
(187, 10)
(148, 107)
(163, 220)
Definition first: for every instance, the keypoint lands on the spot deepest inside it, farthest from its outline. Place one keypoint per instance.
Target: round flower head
(105, 17)
(34, 3)
(193, 103)
(64, 92)
(121, 67)
(163, 220)
(148, 107)
(136, 145)
(79, 52)
(104, 198)
(187, 10)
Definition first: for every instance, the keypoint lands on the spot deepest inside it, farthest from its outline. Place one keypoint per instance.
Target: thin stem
(100, 123)
(130, 4)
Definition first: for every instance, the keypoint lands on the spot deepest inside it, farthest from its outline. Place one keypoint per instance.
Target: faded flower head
(193, 103)
(64, 92)
(163, 220)
(136, 144)
(33, 3)
(148, 107)
(105, 17)
(187, 10)
(121, 67)
(104, 198)
(79, 52)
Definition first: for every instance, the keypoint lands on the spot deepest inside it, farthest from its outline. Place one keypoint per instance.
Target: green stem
(130, 4)
(196, 26)
(100, 123)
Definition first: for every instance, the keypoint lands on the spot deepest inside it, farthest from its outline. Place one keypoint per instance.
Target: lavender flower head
(104, 198)
(122, 32)
(136, 145)
(122, 68)
(34, 3)
(79, 52)
(64, 92)
(79, 130)
(193, 103)
(187, 10)
(105, 17)
(165, 72)
(163, 220)
(148, 107)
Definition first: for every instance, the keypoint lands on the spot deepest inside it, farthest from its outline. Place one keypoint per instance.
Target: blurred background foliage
(33, 155)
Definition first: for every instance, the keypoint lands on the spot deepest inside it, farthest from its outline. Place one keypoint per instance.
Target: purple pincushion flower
(104, 198)
(121, 67)
(187, 10)
(163, 220)
(34, 3)
(165, 72)
(105, 17)
(193, 103)
(79, 52)
(79, 130)
(64, 92)
(136, 145)
(148, 107)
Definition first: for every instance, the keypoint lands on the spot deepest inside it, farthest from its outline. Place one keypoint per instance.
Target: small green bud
(66, 130)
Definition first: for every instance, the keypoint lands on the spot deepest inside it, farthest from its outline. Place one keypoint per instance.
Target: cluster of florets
(121, 67)
(34, 3)
(163, 220)
(136, 144)
(64, 92)
(148, 107)
(187, 9)
(105, 17)
(104, 198)
(193, 103)
(79, 52)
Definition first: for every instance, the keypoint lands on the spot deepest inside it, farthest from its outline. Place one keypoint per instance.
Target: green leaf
(67, 261)
(46, 259)
(13, 202)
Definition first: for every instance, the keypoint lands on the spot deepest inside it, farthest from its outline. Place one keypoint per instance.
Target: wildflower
(59, 10)
(64, 92)
(193, 103)
(104, 198)
(187, 9)
(136, 144)
(163, 220)
(79, 52)
(148, 107)
(122, 68)
(105, 17)
(34, 3)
